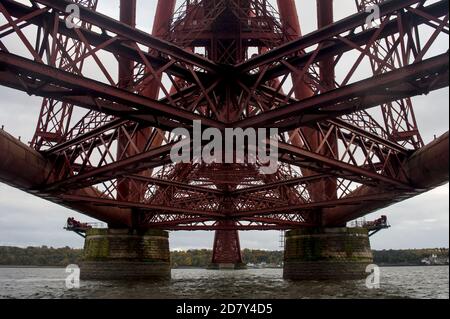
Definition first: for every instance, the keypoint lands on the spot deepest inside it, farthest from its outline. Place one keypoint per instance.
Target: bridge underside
(23, 168)
(340, 98)
(424, 169)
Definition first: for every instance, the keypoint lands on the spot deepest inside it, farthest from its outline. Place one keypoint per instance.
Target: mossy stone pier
(122, 254)
(327, 254)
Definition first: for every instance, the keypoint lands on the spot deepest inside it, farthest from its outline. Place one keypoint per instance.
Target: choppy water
(396, 282)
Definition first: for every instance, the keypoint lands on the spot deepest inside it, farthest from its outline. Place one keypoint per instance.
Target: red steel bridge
(341, 98)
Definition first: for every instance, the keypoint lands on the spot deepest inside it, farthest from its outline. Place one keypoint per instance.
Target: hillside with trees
(407, 257)
(39, 256)
(61, 257)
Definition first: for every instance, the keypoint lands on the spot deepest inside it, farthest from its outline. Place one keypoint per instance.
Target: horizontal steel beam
(339, 47)
(280, 222)
(161, 210)
(112, 44)
(289, 209)
(129, 33)
(416, 79)
(303, 158)
(80, 91)
(179, 220)
(353, 128)
(177, 185)
(287, 182)
(116, 123)
(189, 221)
(23, 168)
(428, 168)
(151, 159)
(237, 227)
(347, 24)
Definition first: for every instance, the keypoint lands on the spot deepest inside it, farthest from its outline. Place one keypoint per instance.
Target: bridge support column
(327, 254)
(227, 250)
(122, 254)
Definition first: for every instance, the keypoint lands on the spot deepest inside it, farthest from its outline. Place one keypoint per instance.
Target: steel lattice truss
(111, 134)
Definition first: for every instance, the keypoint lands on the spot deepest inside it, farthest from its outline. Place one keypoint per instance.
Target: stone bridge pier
(122, 254)
(327, 254)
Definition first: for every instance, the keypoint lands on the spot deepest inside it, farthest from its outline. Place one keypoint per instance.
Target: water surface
(396, 282)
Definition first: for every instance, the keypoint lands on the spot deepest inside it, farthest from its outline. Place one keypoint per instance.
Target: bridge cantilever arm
(104, 22)
(353, 97)
(23, 168)
(427, 169)
(123, 103)
(320, 35)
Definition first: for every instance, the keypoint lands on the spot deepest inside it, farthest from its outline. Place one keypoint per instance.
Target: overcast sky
(25, 220)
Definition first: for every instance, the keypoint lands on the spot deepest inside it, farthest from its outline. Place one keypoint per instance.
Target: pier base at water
(122, 254)
(227, 253)
(327, 254)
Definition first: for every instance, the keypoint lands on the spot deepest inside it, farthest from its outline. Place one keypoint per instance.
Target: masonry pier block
(122, 254)
(327, 254)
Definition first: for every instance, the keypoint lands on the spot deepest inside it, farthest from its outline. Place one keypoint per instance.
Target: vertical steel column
(163, 17)
(161, 25)
(291, 23)
(399, 116)
(55, 116)
(161, 29)
(325, 17)
(227, 247)
(126, 72)
(126, 66)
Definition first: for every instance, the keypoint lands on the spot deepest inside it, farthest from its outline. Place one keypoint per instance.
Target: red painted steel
(125, 190)
(399, 116)
(227, 248)
(348, 140)
(55, 116)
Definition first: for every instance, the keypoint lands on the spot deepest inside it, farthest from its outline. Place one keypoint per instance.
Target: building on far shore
(435, 260)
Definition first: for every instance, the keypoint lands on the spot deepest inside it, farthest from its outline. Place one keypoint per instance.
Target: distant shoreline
(47, 257)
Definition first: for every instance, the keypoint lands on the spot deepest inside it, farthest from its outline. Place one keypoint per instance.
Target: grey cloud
(421, 222)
